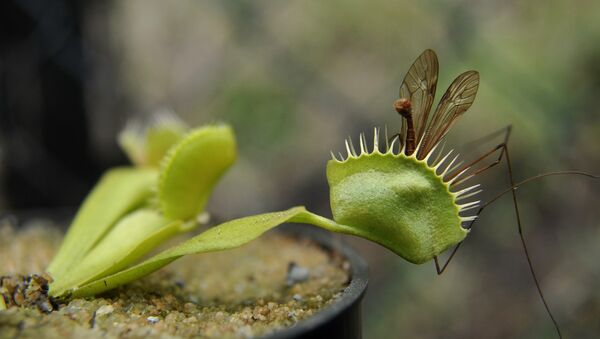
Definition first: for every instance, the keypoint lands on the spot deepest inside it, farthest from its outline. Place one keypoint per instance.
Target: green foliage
(228, 235)
(148, 146)
(118, 192)
(133, 210)
(191, 168)
(131, 238)
(225, 236)
(392, 199)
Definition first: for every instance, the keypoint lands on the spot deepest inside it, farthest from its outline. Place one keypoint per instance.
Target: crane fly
(416, 98)
(420, 133)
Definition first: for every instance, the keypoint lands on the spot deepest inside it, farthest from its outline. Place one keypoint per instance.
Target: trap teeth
(364, 148)
(333, 156)
(469, 206)
(449, 165)
(426, 159)
(403, 148)
(376, 140)
(362, 143)
(348, 149)
(419, 145)
(353, 151)
(468, 195)
(463, 191)
(442, 160)
(387, 139)
(391, 150)
(468, 219)
(439, 153)
(454, 180)
(455, 167)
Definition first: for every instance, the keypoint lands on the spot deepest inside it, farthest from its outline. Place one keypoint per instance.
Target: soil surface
(268, 284)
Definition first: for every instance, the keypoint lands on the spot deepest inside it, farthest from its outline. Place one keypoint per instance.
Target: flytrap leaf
(146, 146)
(118, 192)
(191, 169)
(159, 140)
(131, 238)
(124, 217)
(225, 236)
(397, 201)
(392, 199)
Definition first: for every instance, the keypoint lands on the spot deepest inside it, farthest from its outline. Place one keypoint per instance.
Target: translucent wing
(457, 99)
(418, 86)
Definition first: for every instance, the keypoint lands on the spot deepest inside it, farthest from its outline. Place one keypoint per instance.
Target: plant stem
(307, 217)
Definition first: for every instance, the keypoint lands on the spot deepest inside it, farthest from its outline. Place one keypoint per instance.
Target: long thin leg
(504, 152)
(520, 228)
(500, 147)
(507, 130)
(441, 269)
(487, 138)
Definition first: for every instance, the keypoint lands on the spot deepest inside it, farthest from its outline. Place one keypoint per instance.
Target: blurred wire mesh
(295, 78)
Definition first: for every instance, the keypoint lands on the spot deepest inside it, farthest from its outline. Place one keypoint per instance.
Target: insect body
(404, 108)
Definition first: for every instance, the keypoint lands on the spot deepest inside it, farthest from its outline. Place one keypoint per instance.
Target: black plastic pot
(341, 320)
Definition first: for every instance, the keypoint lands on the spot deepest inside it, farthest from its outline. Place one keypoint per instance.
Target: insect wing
(457, 99)
(419, 86)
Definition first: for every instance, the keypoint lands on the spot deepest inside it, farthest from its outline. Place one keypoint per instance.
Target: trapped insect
(420, 198)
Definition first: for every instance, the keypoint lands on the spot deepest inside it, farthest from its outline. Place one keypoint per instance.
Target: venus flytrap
(133, 210)
(400, 198)
(374, 195)
(411, 197)
(118, 192)
(147, 143)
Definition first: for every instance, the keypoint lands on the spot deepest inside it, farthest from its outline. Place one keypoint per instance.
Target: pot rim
(351, 295)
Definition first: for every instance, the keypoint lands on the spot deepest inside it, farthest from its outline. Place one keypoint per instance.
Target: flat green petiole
(225, 236)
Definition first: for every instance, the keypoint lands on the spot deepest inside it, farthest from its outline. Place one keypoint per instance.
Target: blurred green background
(296, 77)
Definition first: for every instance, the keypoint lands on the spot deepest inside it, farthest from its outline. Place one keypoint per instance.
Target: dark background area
(46, 154)
(295, 78)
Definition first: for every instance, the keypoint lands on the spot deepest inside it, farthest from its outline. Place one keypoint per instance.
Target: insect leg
(500, 147)
(487, 138)
(520, 229)
(441, 269)
(505, 153)
(506, 130)
(397, 135)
